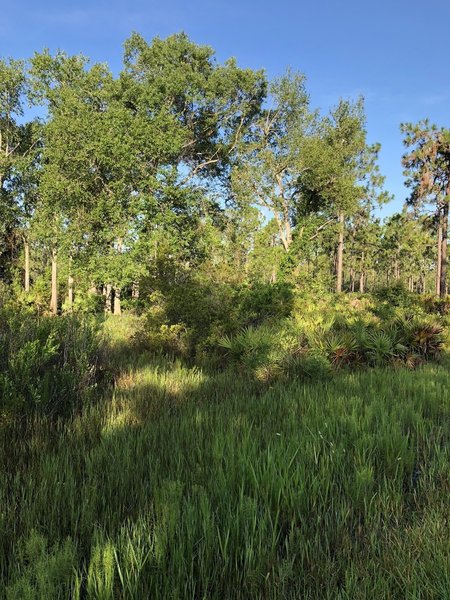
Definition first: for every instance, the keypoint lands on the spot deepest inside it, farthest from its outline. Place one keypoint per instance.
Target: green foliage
(250, 346)
(260, 302)
(396, 295)
(209, 486)
(188, 318)
(186, 315)
(46, 365)
(343, 334)
(182, 168)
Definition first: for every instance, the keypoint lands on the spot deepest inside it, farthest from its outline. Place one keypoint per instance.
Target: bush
(396, 295)
(46, 364)
(189, 318)
(435, 305)
(310, 345)
(261, 328)
(250, 347)
(261, 302)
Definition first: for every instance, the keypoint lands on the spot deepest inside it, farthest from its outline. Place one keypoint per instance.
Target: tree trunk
(340, 254)
(27, 265)
(352, 279)
(117, 303)
(107, 292)
(54, 296)
(439, 256)
(396, 269)
(422, 283)
(443, 277)
(288, 230)
(273, 274)
(70, 291)
(362, 275)
(70, 286)
(284, 230)
(117, 290)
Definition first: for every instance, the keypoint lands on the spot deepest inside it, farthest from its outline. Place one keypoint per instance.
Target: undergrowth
(183, 481)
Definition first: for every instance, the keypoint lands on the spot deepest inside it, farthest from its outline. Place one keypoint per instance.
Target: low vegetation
(309, 464)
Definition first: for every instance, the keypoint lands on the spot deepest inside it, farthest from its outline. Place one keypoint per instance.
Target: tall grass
(185, 484)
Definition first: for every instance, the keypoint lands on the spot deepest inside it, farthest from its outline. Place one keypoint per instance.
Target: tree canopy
(180, 166)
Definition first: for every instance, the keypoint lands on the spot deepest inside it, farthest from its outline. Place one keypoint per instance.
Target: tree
(405, 249)
(188, 114)
(124, 158)
(69, 181)
(341, 171)
(272, 154)
(13, 143)
(427, 168)
(203, 106)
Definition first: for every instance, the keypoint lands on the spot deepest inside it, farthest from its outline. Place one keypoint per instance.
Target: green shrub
(250, 347)
(307, 366)
(345, 336)
(396, 295)
(183, 317)
(260, 302)
(46, 364)
(435, 305)
(188, 318)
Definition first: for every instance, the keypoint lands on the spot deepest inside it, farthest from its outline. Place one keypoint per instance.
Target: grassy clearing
(186, 484)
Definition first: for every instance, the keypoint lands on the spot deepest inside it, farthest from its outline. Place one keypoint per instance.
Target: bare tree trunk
(117, 303)
(27, 265)
(54, 296)
(362, 274)
(439, 256)
(70, 282)
(352, 280)
(117, 290)
(340, 254)
(107, 292)
(284, 229)
(273, 274)
(443, 278)
(396, 269)
(70, 291)
(288, 230)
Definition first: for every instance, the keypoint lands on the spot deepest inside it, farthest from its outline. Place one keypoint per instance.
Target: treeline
(180, 167)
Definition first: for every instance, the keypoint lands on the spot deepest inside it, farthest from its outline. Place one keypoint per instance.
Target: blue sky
(393, 53)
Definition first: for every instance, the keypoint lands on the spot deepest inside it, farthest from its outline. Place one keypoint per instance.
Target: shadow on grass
(184, 458)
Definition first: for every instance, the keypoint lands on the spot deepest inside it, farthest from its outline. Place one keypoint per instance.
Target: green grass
(184, 484)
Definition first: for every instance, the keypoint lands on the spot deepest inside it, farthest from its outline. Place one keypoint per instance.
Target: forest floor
(180, 483)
